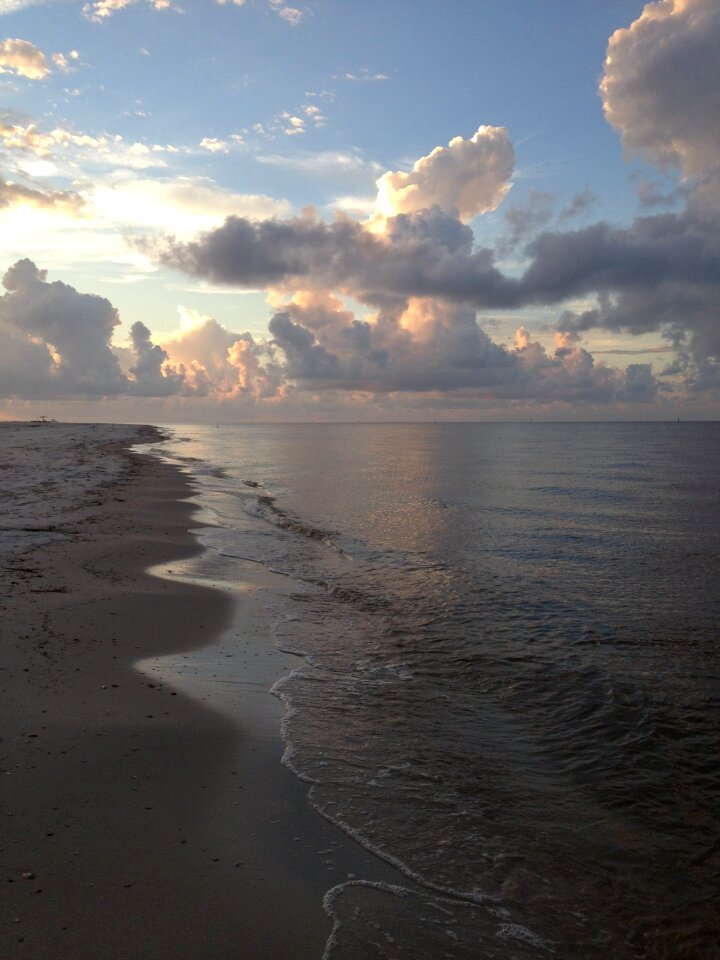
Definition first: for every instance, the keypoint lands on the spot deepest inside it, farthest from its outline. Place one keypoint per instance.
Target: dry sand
(137, 822)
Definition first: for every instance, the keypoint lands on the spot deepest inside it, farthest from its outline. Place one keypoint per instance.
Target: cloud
(12, 6)
(363, 75)
(291, 15)
(213, 145)
(571, 375)
(217, 362)
(661, 86)
(416, 275)
(102, 9)
(28, 138)
(522, 221)
(346, 163)
(185, 204)
(104, 150)
(56, 342)
(426, 346)
(15, 194)
(468, 176)
(65, 63)
(659, 273)
(578, 205)
(651, 195)
(314, 115)
(424, 254)
(152, 374)
(23, 59)
(290, 124)
(63, 335)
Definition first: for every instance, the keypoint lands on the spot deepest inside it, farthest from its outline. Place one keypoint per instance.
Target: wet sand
(137, 821)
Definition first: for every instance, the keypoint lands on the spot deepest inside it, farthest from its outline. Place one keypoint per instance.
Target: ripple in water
(509, 686)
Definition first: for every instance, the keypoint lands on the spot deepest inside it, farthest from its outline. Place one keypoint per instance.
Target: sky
(260, 210)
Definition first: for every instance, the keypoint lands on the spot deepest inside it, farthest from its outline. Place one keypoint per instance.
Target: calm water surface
(509, 684)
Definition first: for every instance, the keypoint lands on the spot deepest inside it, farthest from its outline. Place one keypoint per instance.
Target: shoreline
(138, 821)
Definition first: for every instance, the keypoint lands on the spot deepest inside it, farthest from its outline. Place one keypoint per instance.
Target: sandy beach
(137, 821)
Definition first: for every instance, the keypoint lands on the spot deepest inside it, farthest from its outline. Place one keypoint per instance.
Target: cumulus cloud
(28, 138)
(151, 371)
(425, 254)
(468, 176)
(56, 342)
(23, 59)
(215, 361)
(420, 278)
(428, 346)
(571, 375)
(65, 334)
(661, 86)
(660, 273)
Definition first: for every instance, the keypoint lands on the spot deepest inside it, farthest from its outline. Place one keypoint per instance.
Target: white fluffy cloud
(661, 87)
(468, 176)
(24, 59)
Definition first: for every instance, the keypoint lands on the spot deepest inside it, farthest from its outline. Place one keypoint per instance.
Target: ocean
(507, 679)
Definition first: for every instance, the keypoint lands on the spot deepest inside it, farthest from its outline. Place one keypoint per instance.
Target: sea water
(507, 681)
